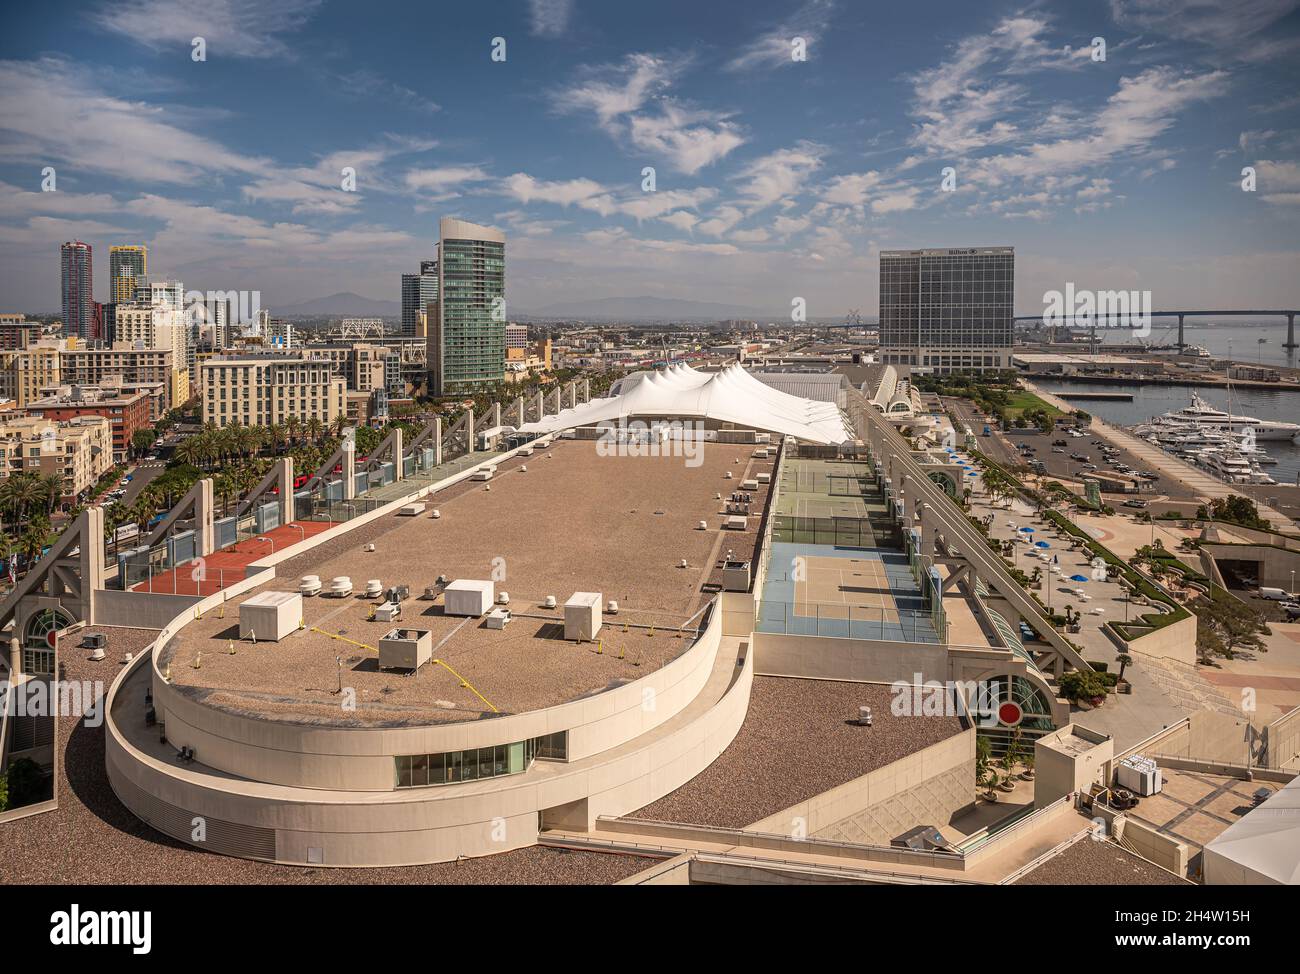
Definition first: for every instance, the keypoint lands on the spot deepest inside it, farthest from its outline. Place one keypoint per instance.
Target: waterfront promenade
(1176, 470)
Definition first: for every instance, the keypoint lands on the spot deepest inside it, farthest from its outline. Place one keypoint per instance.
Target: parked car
(1274, 594)
(1135, 503)
(1058, 449)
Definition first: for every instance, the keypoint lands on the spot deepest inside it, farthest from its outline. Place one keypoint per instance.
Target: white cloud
(683, 220)
(779, 175)
(774, 47)
(690, 140)
(586, 193)
(233, 28)
(550, 18)
(721, 221)
(686, 138)
(1278, 182)
(443, 178)
(785, 225)
(853, 189)
(52, 114)
(1231, 27)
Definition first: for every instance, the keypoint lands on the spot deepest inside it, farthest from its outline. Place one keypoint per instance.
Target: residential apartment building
(127, 410)
(467, 324)
(17, 332)
(257, 390)
(125, 366)
(516, 337)
(24, 372)
(160, 325)
(77, 286)
(526, 361)
(79, 450)
(128, 264)
(947, 310)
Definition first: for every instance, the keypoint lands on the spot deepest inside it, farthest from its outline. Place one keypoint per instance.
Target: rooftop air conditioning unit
(405, 649)
(95, 640)
(735, 576)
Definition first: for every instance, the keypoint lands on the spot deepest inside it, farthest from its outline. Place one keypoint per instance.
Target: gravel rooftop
(800, 738)
(1091, 863)
(575, 521)
(91, 838)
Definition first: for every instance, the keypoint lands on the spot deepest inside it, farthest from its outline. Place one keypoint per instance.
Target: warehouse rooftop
(575, 520)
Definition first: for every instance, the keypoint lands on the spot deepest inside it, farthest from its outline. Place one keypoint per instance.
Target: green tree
(26, 783)
(142, 441)
(1225, 625)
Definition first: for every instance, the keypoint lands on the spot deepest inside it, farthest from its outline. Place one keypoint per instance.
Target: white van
(1273, 594)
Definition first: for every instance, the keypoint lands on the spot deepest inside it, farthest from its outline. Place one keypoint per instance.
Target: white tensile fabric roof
(730, 396)
(1261, 847)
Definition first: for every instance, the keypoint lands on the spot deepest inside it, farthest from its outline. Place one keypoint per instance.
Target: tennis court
(827, 591)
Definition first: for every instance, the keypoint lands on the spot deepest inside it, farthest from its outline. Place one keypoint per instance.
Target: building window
(495, 761)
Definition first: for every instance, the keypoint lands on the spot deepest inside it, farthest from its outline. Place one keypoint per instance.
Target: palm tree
(293, 426)
(275, 434)
(223, 484)
(315, 428)
(32, 543)
(191, 451)
(52, 485)
(18, 493)
(140, 513)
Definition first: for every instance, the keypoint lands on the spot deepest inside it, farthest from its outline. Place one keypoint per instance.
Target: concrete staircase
(1188, 690)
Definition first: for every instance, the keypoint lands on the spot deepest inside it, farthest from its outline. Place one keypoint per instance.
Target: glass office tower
(417, 291)
(467, 335)
(947, 310)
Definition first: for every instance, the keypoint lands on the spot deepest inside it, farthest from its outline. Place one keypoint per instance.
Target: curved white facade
(298, 792)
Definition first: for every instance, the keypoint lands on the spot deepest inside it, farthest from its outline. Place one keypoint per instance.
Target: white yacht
(1204, 416)
(1232, 467)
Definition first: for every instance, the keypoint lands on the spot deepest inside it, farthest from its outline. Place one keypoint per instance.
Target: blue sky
(775, 178)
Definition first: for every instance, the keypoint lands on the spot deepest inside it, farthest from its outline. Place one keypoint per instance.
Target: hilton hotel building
(947, 310)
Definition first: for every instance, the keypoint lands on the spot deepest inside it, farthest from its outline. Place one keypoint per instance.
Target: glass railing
(836, 620)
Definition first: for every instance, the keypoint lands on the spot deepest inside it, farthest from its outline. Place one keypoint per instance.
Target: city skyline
(775, 178)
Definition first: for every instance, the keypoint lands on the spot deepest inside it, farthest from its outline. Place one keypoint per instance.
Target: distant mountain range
(645, 308)
(344, 304)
